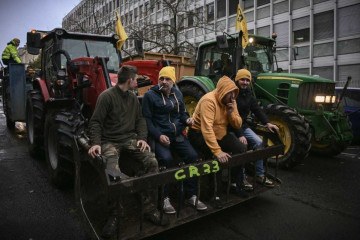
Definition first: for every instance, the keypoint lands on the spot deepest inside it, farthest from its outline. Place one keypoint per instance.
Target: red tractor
(75, 69)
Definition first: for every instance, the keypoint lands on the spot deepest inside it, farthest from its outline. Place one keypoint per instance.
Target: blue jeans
(255, 142)
(186, 153)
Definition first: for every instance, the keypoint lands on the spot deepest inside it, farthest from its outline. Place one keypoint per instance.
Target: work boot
(154, 217)
(110, 227)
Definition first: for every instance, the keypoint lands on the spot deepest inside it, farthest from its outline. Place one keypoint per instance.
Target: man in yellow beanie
(10, 53)
(166, 117)
(246, 103)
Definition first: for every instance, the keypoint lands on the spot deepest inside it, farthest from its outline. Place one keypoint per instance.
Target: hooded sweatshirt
(11, 52)
(211, 118)
(164, 115)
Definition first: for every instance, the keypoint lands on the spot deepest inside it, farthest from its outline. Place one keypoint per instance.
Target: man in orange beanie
(166, 118)
(246, 103)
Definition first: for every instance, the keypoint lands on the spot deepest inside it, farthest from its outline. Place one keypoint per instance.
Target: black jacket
(246, 103)
(164, 115)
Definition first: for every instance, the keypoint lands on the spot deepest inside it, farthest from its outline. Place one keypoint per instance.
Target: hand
(272, 127)
(223, 157)
(94, 151)
(164, 140)
(190, 121)
(143, 145)
(243, 140)
(230, 107)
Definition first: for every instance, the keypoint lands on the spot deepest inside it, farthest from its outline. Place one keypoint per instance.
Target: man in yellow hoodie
(213, 115)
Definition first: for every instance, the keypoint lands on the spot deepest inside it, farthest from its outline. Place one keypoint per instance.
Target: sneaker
(110, 227)
(167, 207)
(265, 181)
(200, 205)
(155, 217)
(247, 186)
(241, 192)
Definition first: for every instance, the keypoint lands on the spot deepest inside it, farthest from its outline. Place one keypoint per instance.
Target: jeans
(255, 142)
(186, 153)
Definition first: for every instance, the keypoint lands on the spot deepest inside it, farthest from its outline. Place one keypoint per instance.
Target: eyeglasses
(245, 80)
(164, 79)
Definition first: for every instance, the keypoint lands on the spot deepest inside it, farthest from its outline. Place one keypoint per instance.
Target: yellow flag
(242, 25)
(120, 31)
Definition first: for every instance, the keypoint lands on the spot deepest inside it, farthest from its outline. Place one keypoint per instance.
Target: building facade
(317, 37)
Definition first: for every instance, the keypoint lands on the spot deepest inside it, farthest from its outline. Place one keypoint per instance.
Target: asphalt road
(318, 200)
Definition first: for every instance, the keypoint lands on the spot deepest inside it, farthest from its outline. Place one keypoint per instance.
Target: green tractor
(303, 106)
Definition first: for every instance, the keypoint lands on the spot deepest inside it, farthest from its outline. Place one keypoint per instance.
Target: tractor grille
(308, 91)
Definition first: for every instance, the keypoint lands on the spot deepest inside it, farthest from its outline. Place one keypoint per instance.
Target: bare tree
(94, 16)
(170, 35)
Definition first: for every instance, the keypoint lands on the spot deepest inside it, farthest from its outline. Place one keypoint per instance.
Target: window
(221, 8)
(281, 7)
(325, 49)
(349, 21)
(296, 4)
(248, 4)
(325, 72)
(282, 31)
(210, 12)
(301, 30)
(324, 25)
(233, 6)
(264, 31)
(262, 2)
(190, 19)
(349, 46)
(263, 12)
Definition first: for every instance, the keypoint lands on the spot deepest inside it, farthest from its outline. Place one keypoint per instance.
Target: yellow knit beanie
(243, 73)
(168, 72)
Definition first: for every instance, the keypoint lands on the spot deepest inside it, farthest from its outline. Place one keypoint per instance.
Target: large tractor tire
(328, 150)
(294, 132)
(6, 98)
(60, 129)
(192, 94)
(35, 121)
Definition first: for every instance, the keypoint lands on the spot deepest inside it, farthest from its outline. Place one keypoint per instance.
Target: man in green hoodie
(10, 53)
(116, 127)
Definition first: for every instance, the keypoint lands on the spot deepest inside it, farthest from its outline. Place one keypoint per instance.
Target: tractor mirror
(139, 46)
(33, 42)
(222, 42)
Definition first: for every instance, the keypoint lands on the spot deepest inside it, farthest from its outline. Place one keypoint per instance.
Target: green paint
(193, 171)
(180, 174)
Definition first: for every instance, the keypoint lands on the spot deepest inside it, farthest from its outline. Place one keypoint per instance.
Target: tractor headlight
(251, 40)
(325, 99)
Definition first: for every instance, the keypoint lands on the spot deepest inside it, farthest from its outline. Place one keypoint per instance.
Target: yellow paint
(193, 171)
(180, 174)
(280, 78)
(216, 167)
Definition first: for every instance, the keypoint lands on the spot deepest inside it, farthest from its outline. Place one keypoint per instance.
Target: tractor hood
(295, 78)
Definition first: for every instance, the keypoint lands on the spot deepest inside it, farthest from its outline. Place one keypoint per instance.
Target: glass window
(349, 21)
(221, 8)
(262, 2)
(349, 46)
(324, 72)
(319, 1)
(301, 30)
(263, 12)
(301, 71)
(281, 7)
(296, 4)
(248, 4)
(349, 70)
(321, 50)
(220, 25)
(190, 19)
(233, 6)
(264, 31)
(210, 12)
(302, 52)
(282, 55)
(249, 16)
(324, 25)
(282, 31)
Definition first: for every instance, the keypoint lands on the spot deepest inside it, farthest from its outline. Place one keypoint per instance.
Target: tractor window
(87, 48)
(258, 59)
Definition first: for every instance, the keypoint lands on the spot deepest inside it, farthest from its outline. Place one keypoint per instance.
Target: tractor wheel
(35, 123)
(60, 128)
(192, 94)
(328, 150)
(294, 132)
(6, 96)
